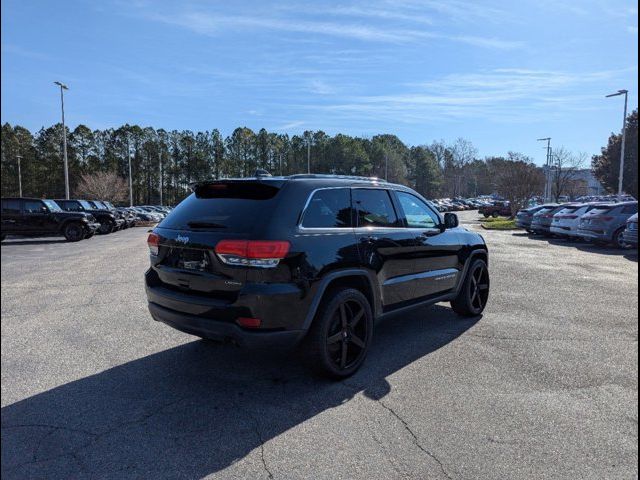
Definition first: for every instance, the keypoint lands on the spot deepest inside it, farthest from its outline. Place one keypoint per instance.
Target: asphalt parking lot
(543, 385)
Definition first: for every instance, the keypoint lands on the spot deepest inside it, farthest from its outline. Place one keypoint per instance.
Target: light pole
(309, 154)
(19, 177)
(130, 180)
(63, 87)
(624, 136)
(546, 170)
(160, 160)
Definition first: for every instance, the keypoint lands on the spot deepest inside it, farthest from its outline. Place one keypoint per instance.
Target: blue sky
(500, 74)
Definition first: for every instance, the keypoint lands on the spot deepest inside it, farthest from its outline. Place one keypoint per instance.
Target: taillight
(153, 240)
(252, 253)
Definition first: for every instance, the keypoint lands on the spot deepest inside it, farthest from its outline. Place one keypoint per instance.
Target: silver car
(607, 223)
(566, 222)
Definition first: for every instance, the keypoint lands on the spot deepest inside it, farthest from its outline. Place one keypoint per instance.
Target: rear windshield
(569, 209)
(233, 207)
(599, 210)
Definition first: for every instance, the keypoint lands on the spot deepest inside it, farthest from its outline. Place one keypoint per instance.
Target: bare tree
(517, 179)
(103, 186)
(564, 171)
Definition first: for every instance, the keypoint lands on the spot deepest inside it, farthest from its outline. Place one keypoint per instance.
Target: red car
(496, 209)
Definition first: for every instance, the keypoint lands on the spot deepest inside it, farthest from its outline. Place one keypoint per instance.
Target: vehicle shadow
(195, 409)
(583, 246)
(38, 241)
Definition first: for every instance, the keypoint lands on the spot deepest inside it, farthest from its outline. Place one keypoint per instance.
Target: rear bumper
(540, 228)
(523, 224)
(597, 235)
(562, 230)
(224, 331)
(278, 306)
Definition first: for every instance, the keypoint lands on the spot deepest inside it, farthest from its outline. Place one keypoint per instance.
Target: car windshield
(53, 206)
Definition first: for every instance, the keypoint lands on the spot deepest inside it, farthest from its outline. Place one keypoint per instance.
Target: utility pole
(64, 140)
(160, 162)
(309, 154)
(19, 177)
(624, 137)
(547, 173)
(130, 179)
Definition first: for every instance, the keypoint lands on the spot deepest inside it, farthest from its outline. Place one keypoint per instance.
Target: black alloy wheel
(474, 294)
(341, 333)
(74, 232)
(347, 334)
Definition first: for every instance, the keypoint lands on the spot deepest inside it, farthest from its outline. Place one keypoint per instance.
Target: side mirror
(451, 220)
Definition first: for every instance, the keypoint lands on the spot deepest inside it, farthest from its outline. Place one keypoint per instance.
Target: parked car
(606, 223)
(541, 221)
(107, 220)
(631, 231)
(495, 210)
(129, 216)
(308, 258)
(565, 222)
(35, 217)
(157, 217)
(525, 216)
(118, 214)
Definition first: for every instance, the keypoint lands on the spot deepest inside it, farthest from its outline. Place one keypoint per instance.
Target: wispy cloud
(205, 23)
(514, 95)
(24, 52)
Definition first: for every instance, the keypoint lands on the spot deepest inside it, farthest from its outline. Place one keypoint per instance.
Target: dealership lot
(543, 385)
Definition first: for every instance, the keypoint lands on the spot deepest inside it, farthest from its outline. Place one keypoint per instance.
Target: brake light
(153, 240)
(248, 322)
(252, 253)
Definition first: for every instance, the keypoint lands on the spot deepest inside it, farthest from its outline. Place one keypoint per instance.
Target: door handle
(369, 239)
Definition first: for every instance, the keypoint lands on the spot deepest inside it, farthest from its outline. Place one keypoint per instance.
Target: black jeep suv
(33, 217)
(107, 219)
(273, 261)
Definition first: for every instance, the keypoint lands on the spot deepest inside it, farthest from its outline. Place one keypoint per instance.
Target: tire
(106, 227)
(89, 234)
(486, 215)
(340, 335)
(73, 232)
(618, 239)
(474, 292)
(495, 214)
(2, 237)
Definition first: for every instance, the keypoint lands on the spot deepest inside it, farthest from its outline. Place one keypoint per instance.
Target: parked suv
(34, 217)
(495, 210)
(273, 261)
(108, 221)
(606, 223)
(115, 223)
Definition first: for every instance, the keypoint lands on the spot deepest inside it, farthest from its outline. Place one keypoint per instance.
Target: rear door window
(229, 206)
(630, 209)
(374, 208)
(33, 206)
(330, 208)
(11, 207)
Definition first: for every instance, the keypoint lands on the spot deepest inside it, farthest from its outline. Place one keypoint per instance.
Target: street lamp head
(544, 139)
(62, 85)
(619, 92)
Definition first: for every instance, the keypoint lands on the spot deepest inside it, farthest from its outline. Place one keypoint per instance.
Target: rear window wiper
(205, 225)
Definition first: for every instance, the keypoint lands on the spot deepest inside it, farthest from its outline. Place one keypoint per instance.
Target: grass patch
(498, 224)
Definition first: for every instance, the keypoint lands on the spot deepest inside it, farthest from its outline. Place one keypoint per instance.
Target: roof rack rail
(345, 177)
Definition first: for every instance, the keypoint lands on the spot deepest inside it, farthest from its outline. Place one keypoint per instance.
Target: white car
(566, 222)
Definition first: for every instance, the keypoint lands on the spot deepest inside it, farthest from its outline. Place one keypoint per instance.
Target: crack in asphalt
(258, 433)
(406, 426)
(415, 439)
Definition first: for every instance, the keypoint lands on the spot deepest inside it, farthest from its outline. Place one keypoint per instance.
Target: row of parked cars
(75, 219)
(458, 204)
(597, 222)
